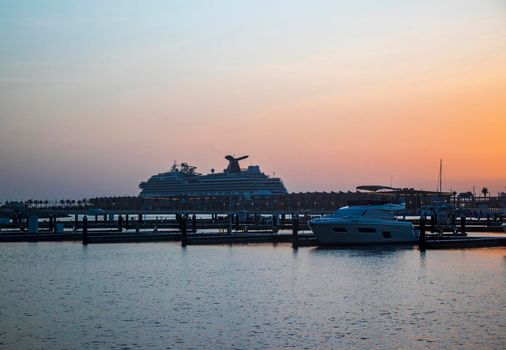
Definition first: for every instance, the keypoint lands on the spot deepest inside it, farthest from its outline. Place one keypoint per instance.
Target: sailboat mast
(440, 176)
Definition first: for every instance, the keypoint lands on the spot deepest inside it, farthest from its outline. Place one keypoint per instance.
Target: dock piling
(237, 227)
(423, 238)
(295, 231)
(194, 223)
(120, 223)
(183, 232)
(85, 230)
(229, 227)
(463, 225)
(275, 223)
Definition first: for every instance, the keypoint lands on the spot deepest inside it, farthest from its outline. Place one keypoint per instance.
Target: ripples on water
(129, 296)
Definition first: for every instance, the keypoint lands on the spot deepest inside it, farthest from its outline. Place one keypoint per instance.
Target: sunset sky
(96, 96)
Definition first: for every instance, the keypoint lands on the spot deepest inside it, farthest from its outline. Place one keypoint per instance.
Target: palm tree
(484, 190)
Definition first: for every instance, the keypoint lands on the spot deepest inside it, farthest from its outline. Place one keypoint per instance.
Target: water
(129, 296)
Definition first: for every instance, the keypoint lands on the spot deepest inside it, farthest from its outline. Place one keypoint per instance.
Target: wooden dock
(465, 242)
(192, 231)
(304, 239)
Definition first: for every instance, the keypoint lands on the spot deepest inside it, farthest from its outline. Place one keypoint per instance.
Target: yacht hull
(370, 233)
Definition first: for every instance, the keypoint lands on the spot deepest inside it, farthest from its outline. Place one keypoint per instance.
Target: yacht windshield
(378, 213)
(367, 212)
(350, 211)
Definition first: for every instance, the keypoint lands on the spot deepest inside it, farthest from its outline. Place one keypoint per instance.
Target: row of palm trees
(484, 191)
(46, 204)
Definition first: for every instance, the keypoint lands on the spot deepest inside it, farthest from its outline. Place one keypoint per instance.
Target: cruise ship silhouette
(183, 180)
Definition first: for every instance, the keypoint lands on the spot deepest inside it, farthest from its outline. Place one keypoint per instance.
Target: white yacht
(364, 224)
(504, 227)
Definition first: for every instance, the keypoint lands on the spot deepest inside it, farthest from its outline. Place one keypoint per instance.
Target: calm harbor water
(129, 296)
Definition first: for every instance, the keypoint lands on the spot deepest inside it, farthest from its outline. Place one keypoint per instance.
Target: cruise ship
(183, 180)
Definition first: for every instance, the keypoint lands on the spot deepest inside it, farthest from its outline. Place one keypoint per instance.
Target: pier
(219, 228)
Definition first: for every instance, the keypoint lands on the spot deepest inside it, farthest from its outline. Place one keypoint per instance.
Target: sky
(96, 96)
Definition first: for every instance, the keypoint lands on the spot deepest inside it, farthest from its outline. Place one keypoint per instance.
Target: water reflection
(423, 257)
(362, 250)
(254, 296)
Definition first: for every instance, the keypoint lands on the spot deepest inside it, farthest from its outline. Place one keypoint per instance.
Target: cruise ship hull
(371, 232)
